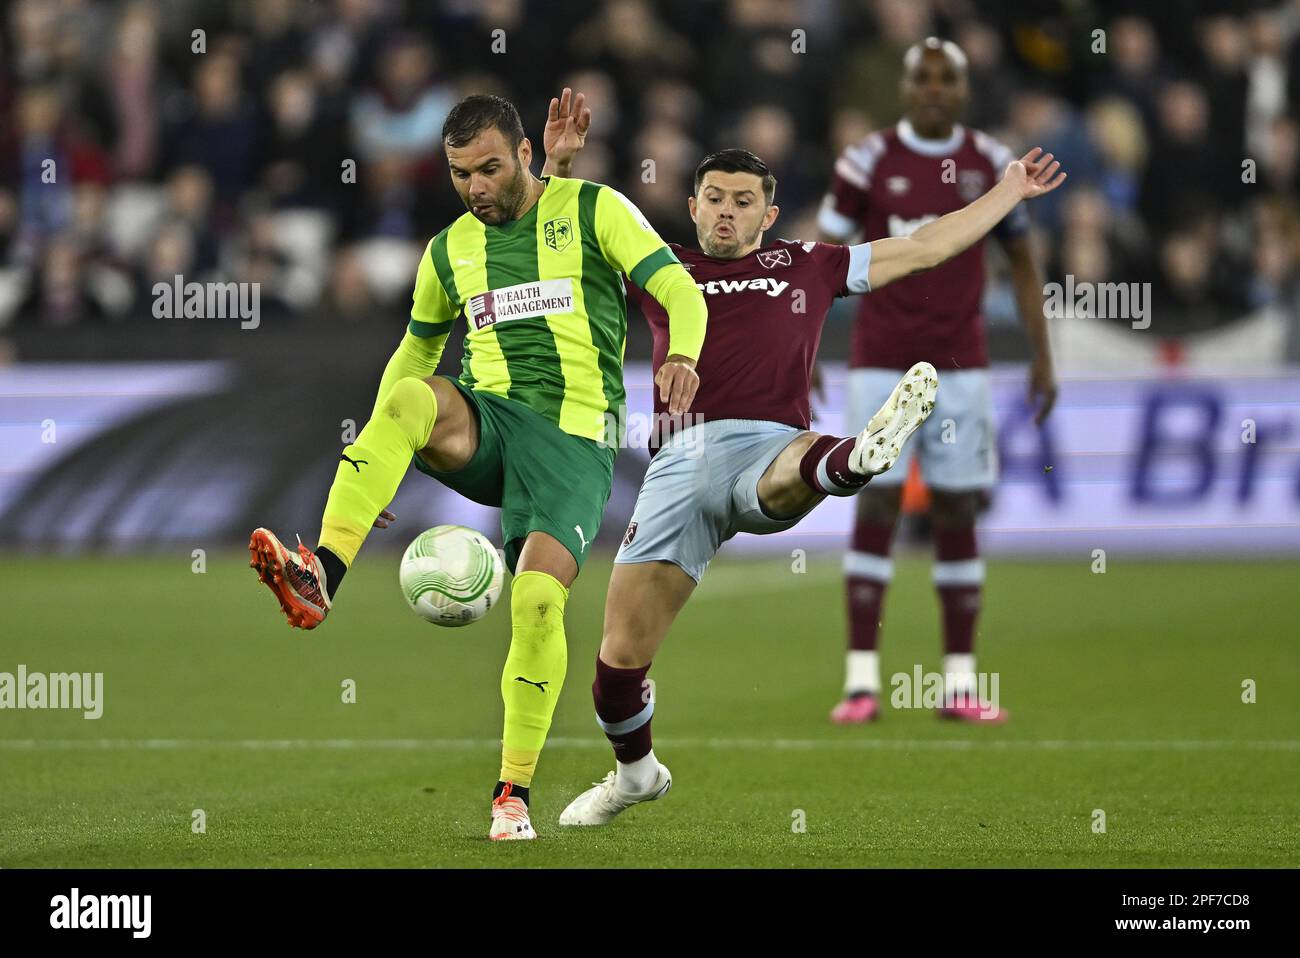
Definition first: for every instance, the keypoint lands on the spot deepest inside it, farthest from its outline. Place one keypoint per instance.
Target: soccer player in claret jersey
(534, 267)
(746, 461)
(894, 183)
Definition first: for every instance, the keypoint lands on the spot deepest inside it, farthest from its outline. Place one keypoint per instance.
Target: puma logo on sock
(520, 678)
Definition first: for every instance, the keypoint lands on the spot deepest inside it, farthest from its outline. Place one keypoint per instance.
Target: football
(451, 575)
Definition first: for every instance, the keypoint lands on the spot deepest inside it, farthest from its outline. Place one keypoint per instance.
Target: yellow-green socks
(534, 672)
(371, 469)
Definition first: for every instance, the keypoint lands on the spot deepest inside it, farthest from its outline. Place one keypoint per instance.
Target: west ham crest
(772, 258)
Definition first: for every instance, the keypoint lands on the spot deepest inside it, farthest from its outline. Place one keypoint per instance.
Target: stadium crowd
(296, 143)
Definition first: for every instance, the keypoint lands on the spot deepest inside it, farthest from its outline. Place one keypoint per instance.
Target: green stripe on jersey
(527, 343)
(543, 301)
(425, 330)
(604, 300)
(643, 270)
(562, 245)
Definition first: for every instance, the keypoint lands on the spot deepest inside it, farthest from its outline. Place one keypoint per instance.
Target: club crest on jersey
(558, 233)
(971, 185)
(630, 534)
(773, 258)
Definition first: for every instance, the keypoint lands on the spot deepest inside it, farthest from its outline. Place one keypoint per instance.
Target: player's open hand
(384, 520)
(677, 381)
(1035, 173)
(567, 123)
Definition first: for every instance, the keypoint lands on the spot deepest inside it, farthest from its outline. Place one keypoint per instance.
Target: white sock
(863, 671)
(636, 778)
(959, 673)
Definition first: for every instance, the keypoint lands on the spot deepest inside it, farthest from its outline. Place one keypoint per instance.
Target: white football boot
(510, 820)
(910, 404)
(599, 805)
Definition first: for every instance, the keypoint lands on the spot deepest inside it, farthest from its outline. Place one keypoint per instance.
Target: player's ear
(770, 216)
(525, 153)
(690, 205)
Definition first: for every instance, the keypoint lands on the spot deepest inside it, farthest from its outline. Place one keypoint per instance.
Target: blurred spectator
(1280, 156)
(1135, 73)
(1197, 279)
(132, 80)
(126, 157)
(402, 118)
(869, 78)
(992, 79)
(1115, 126)
(1040, 118)
(666, 179)
(1182, 144)
(217, 127)
(302, 164)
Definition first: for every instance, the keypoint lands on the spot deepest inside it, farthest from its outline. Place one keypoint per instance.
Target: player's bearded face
(491, 180)
(509, 198)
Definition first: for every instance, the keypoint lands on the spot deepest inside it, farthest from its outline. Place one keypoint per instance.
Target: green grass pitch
(1125, 693)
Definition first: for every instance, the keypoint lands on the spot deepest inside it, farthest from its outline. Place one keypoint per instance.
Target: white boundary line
(560, 742)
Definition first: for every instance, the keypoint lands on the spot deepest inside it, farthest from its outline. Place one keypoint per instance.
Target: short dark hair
(737, 161)
(482, 111)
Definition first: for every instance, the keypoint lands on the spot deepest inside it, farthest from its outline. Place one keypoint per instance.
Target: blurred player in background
(893, 183)
(746, 460)
(534, 267)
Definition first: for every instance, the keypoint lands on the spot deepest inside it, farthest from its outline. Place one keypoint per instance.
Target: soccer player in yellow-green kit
(536, 267)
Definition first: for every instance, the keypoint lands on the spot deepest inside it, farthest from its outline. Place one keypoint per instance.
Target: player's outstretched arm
(1033, 175)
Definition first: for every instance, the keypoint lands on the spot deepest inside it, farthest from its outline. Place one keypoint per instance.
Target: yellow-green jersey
(543, 300)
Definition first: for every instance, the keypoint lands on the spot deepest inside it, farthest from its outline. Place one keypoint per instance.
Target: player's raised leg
(643, 600)
(414, 414)
(532, 677)
(813, 466)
